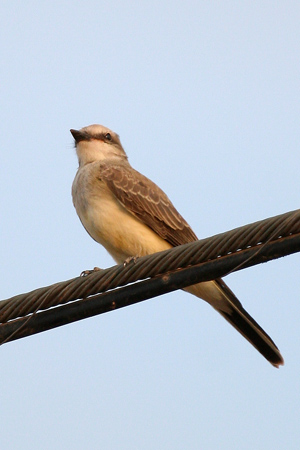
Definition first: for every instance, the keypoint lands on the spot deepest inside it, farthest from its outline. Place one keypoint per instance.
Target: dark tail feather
(249, 328)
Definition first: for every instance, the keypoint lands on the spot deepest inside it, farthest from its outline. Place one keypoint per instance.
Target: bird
(130, 216)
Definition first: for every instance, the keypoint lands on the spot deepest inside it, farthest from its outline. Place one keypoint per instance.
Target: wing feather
(147, 202)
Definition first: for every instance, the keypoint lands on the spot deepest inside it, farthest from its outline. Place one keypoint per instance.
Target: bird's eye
(108, 137)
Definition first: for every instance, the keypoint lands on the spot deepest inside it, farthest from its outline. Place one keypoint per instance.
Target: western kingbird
(131, 216)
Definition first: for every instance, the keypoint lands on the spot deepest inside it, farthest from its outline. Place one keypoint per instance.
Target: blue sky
(205, 98)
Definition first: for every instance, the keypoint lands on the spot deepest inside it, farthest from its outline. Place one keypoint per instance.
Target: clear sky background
(205, 97)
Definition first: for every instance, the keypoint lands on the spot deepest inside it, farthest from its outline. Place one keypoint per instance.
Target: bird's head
(97, 143)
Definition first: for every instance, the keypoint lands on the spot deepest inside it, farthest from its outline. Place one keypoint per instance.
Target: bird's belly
(121, 233)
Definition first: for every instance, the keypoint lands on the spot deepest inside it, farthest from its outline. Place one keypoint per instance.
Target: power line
(150, 276)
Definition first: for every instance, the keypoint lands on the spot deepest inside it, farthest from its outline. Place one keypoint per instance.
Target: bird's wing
(147, 202)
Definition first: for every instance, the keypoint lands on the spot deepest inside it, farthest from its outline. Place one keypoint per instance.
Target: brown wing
(148, 202)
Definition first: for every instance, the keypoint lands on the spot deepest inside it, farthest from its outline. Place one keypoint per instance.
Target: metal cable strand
(150, 266)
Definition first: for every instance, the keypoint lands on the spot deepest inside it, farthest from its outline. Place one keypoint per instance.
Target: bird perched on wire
(131, 217)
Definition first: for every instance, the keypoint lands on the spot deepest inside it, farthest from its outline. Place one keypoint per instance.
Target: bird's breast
(109, 222)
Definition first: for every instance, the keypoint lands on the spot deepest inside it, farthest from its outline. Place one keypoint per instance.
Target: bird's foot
(85, 273)
(130, 259)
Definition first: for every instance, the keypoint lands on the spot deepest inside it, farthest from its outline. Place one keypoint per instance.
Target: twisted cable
(195, 253)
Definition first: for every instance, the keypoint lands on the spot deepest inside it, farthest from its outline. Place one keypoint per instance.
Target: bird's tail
(218, 295)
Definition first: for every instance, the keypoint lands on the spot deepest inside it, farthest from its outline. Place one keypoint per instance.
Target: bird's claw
(129, 260)
(85, 273)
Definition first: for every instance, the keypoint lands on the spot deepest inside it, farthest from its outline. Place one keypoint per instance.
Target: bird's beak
(79, 135)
